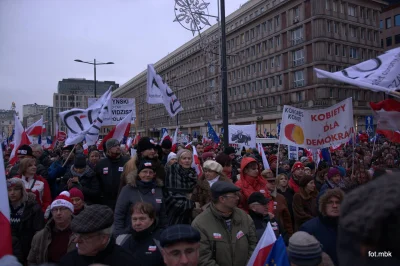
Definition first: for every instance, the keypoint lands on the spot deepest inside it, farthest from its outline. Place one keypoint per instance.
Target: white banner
(378, 74)
(170, 101)
(317, 129)
(120, 108)
(244, 135)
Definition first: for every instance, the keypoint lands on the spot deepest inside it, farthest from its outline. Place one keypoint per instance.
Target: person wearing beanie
(305, 250)
(272, 160)
(108, 172)
(25, 152)
(251, 181)
(26, 218)
(94, 241)
(324, 227)
(172, 158)
(334, 180)
(143, 186)
(305, 202)
(284, 168)
(145, 150)
(228, 167)
(78, 200)
(208, 156)
(82, 177)
(212, 172)
(209, 148)
(166, 146)
(295, 176)
(180, 181)
(55, 240)
(223, 221)
(34, 183)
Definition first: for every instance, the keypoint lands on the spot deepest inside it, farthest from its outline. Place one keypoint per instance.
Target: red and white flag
(5, 228)
(36, 128)
(175, 140)
(196, 162)
(264, 158)
(20, 138)
(120, 131)
(136, 139)
(388, 114)
(263, 247)
(165, 136)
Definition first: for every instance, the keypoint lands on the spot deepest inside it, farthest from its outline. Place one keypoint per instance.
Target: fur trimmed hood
(131, 173)
(323, 200)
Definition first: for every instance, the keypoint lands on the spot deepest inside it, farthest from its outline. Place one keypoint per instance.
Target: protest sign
(244, 135)
(120, 108)
(317, 129)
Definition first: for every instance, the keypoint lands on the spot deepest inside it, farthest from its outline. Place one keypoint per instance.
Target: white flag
(155, 86)
(378, 74)
(86, 123)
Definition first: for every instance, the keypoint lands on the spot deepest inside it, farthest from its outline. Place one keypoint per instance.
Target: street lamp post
(94, 63)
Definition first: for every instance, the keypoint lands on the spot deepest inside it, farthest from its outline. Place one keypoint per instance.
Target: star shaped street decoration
(191, 14)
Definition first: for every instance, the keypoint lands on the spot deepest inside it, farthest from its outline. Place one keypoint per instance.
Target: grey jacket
(130, 194)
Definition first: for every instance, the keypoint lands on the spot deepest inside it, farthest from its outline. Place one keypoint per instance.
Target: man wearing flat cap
(108, 172)
(228, 234)
(180, 245)
(92, 230)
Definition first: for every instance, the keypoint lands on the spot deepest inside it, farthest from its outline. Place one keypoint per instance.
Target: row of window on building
(388, 22)
(352, 9)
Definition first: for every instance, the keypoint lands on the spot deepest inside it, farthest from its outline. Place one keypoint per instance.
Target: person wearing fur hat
(180, 182)
(145, 150)
(296, 175)
(324, 227)
(143, 186)
(78, 200)
(34, 183)
(55, 239)
(81, 176)
(369, 224)
(251, 181)
(26, 218)
(108, 171)
(212, 172)
(304, 202)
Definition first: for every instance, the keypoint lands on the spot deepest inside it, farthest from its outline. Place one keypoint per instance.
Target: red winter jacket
(249, 185)
(40, 188)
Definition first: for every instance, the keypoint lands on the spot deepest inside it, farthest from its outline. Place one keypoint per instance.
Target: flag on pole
(120, 131)
(165, 136)
(212, 134)
(5, 227)
(136, 139)
(388, 114)
(36, 128)
(377, 74)
(263, 248)
(156, 87)
(86, 123)
(278, 254)
(264, 158)
(196, 162)
(20, 138)
(175, 140)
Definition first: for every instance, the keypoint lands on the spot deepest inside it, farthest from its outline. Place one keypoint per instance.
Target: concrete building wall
(390, 27)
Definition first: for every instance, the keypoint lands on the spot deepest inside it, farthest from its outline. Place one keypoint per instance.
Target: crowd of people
(152, 208)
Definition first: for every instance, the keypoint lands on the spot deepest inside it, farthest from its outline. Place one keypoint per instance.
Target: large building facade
(390, 26)
(273, 47)
(74, 93)
(30, 112)
(7, 122)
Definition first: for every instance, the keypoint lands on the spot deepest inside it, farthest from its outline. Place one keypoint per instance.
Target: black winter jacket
(32, 220)
(108, 172)
(142, 245)
(112, 255)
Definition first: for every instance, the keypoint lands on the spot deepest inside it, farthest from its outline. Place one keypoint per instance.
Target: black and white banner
(86, 123)
(378, 74)
(244, 135)
(159, 92)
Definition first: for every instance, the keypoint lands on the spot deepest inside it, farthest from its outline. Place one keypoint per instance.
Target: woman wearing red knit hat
(296, 175)
(78, 200)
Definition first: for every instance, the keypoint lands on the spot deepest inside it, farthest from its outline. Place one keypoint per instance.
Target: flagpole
(354, 141)
(277, 160)
(373, 147)
(69, 155)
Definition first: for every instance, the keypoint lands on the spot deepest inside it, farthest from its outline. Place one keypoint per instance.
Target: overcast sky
(41, 38)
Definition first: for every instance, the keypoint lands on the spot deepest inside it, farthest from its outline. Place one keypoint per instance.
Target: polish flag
(264, 158)
(136, 140)
(175, 141)
(165, 136)
(388, 114)
(86, 149)
(196, 163)
(129, 142)
(188, 145)
(36, 128)
(263, 247)
(120, 131)
(335, 147)
(5, 228)
(309, 154)
(20, 138)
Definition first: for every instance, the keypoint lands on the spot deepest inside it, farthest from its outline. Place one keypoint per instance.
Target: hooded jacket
(218, 245)
(323, 227)
(304, 207)
(248, 185)
(136, 191)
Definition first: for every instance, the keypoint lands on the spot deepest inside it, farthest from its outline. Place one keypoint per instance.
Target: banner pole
(354, 152)
(69, 155)
(277, 160)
